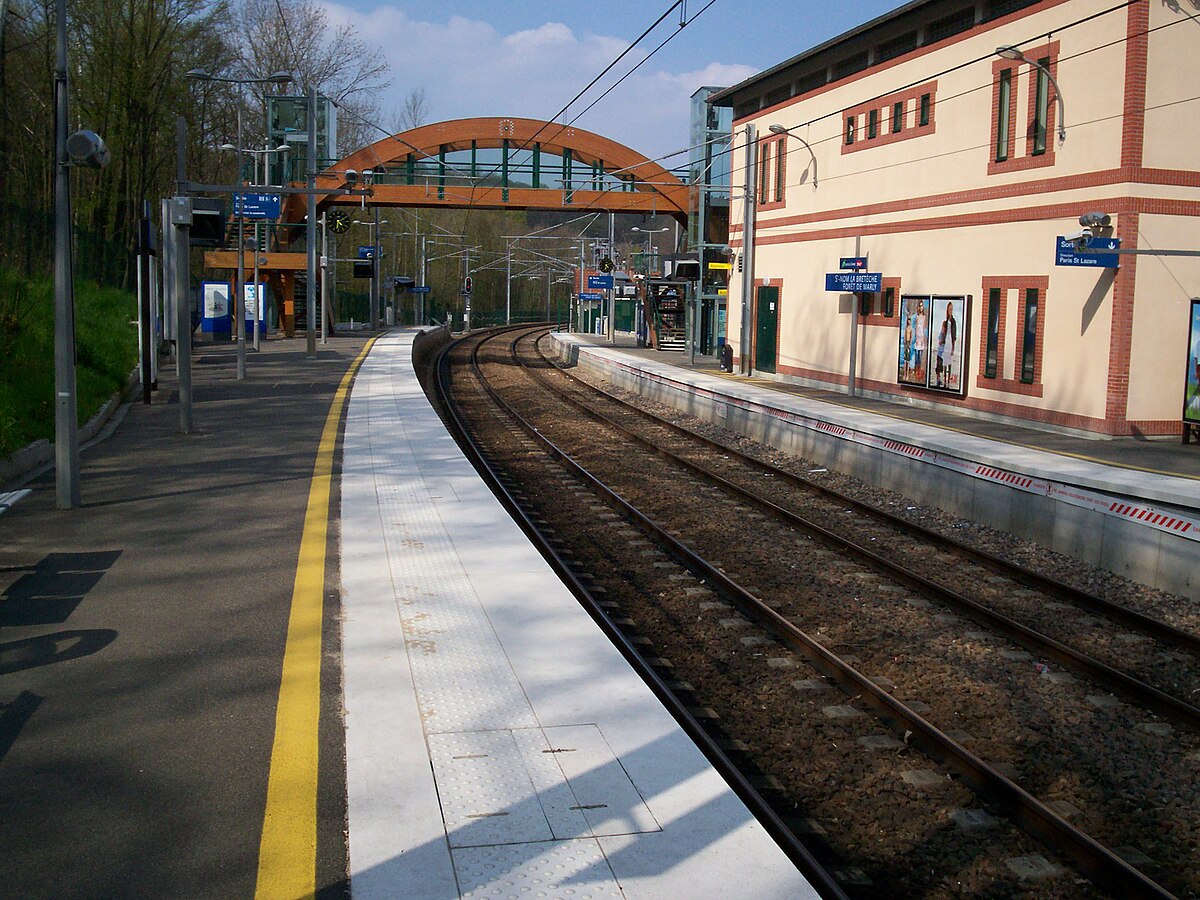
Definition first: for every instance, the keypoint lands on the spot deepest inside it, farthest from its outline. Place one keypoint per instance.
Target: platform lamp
(780, 129)
(239, 305)
(1010, 52)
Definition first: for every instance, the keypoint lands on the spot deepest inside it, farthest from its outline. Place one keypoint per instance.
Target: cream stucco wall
(929, 213)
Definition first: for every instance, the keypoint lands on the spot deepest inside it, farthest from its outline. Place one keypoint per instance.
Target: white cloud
(468, 68)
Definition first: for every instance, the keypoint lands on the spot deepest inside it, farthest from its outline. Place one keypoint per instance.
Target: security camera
(86, 148)
(351, 176)
(1095, 220)
(1075, 237)
(368, 176)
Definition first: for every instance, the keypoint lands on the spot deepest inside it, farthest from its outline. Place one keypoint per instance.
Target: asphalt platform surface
(142, 636)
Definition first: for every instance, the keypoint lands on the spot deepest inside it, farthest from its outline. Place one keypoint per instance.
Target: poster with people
(1191, 390)
(933, 342)
(914, 339)
(947, 344)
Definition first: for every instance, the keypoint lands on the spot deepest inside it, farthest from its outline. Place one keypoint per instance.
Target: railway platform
(1129, 505)
(250, 665)
(496, 743)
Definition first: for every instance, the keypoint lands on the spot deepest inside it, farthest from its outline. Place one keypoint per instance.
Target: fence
(27, 248)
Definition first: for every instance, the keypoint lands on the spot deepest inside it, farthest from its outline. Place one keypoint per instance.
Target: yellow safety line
(287, 854)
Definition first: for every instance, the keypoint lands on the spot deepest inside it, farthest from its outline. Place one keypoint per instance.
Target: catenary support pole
(66, 425)
(311, 230)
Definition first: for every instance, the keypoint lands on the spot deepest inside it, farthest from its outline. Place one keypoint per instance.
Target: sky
(528, 58)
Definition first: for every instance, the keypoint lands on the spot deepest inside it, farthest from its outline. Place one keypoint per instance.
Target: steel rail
(821, 879)
(1144, 694)
(1033, 816)
(1028, 578)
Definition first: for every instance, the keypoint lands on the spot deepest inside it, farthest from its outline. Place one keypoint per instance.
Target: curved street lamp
(1010, 52)
(779, 129)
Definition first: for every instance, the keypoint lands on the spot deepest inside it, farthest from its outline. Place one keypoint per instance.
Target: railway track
(727, 635)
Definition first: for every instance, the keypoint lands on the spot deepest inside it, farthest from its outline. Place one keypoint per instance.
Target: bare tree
(414, 112)
(295, 36)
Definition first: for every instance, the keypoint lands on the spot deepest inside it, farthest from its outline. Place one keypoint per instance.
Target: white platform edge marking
(709, 846)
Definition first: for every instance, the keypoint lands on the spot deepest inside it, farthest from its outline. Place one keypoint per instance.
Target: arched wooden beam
(653, 190)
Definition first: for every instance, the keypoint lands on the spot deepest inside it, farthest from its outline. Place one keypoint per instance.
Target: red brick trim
(910, 128)
(1116, 205)
(775, 169)
(1133, 122)
(1049, 50)
(998, 66)
(870, 71)
(1020, 284)
(1116, 406)
(876, 316)
(1040, 187)
(1000, 283)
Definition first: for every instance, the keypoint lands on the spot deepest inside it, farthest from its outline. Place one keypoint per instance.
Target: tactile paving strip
(522, 804)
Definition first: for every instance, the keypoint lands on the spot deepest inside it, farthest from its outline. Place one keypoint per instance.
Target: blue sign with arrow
(256, 206)
(1096, 253)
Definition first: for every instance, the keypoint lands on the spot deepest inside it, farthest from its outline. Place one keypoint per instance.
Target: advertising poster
(216, 299)
(947, 344)
(1191, 390)
(913, 361)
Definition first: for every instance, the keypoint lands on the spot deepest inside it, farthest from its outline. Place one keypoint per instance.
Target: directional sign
(600, 282)
(720, 265)
(421, 289)
(853, 262)
(588, 295)
(854, 282)
(1095, 255)
(366, 251)
(256, 206)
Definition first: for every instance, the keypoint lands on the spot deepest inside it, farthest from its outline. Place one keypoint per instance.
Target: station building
(956, 170)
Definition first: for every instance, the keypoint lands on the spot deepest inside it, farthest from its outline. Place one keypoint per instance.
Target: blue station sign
(854, 282)
(420, 289)
(1097, 254)
(256, 206)
(600, 282)
(589, 295)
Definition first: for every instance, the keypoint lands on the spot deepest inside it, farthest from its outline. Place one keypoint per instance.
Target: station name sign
(854, 282)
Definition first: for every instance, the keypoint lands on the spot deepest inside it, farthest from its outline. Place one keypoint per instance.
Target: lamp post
(650, 251)
(239, 304)
(1010, 52)
(780, 129)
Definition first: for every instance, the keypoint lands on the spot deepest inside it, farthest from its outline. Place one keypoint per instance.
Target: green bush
(105, 352)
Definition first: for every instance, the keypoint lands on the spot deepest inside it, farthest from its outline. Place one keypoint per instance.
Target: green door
(767, 331)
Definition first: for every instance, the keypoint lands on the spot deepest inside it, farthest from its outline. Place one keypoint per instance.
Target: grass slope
(105, 352)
